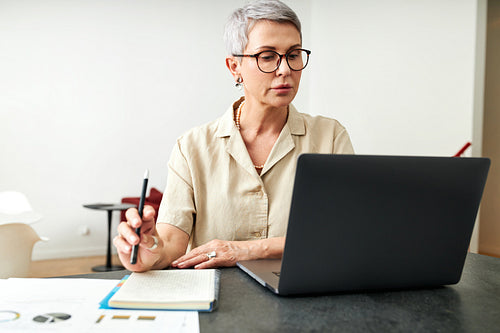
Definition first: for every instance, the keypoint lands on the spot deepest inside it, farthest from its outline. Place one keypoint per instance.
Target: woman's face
(276, 89)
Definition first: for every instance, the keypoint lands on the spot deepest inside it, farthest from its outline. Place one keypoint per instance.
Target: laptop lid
(361, 222)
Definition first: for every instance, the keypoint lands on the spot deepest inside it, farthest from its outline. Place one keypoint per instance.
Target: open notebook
(187, 289)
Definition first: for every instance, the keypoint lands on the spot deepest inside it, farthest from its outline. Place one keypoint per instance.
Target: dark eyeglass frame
(256, 56)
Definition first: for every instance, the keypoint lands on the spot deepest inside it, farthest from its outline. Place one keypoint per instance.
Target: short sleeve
(177, 207)
(342, 143)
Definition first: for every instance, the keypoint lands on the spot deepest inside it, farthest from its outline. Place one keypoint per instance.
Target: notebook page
(168, 286)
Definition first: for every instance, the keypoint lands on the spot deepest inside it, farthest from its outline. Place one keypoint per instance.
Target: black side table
(110, 208)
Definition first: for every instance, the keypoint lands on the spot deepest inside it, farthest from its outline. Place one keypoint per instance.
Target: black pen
(135, 248)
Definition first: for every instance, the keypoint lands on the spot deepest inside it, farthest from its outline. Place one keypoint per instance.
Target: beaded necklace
(238, 126)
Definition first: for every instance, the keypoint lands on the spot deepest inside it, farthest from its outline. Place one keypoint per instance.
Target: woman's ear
(233, 65)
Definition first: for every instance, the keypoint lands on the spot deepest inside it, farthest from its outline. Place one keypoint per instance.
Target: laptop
(360, 223)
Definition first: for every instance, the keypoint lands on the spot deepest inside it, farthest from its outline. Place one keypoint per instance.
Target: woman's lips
(282, 89)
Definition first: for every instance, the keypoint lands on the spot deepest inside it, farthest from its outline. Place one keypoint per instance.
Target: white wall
(93, 92)
(399, 74)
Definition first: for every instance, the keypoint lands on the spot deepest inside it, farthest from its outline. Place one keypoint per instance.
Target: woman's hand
(227, 253)
(171, 242)
(149, 249)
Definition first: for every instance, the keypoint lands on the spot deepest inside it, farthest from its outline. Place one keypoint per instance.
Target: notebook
(361, 222)
(187, 289)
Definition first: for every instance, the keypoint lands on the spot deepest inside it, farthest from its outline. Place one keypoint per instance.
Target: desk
(473, 305)
(109, 208)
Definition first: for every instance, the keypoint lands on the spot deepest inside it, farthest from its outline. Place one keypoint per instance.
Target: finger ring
(155, 245)
(211, 255)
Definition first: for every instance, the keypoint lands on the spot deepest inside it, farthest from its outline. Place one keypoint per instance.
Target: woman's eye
(267, 56)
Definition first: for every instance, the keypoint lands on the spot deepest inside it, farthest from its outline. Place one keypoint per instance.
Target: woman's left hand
(219, 253)
(216, 253)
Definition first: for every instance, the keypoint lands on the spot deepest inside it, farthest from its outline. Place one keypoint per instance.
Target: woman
(230, 181)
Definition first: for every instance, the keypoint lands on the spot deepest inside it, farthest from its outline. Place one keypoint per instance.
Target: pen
(135, 248)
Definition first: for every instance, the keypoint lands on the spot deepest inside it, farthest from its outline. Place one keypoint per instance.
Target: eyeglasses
(270, 61)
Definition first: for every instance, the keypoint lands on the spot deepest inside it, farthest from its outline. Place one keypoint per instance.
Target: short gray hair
(243, 19)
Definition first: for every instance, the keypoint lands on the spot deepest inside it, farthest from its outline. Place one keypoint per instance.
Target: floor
(70, 266)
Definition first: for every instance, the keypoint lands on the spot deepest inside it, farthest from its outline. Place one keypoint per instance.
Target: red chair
(462, 150)
(153, 200)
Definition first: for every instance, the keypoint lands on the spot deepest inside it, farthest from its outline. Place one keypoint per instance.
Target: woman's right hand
(148, 254)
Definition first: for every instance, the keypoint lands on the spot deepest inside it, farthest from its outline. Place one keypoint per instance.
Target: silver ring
(211, 255)
(155, 245)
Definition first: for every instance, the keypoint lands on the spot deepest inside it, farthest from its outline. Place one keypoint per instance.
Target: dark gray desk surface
(472, 305)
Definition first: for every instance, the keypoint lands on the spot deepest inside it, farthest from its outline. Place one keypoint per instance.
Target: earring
(239, 83)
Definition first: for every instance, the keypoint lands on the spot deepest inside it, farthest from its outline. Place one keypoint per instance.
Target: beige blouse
(214, 192)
